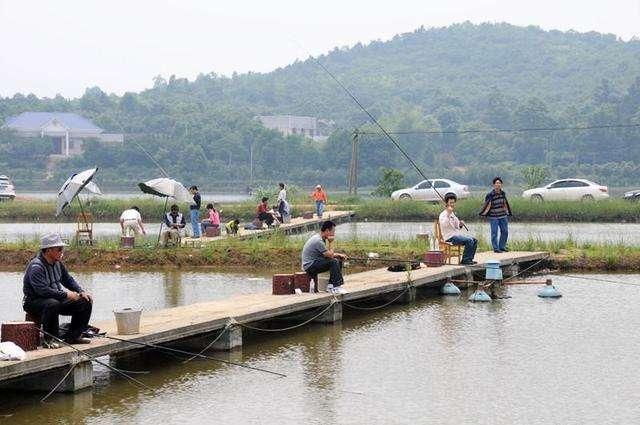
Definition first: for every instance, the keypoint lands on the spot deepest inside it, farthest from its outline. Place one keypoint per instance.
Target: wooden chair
(449, 250)
(84, 229)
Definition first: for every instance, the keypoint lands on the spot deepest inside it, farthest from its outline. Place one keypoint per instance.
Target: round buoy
(479, 296)
(450, 289)
(549, 291)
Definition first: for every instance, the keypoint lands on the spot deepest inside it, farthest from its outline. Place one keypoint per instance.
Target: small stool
(282, 284)
(24, 334)
(302, 281)
(127, 241)
(212, 232)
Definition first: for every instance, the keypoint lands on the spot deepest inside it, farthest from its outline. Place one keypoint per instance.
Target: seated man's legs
(470, 246)
(48, 310)
(328, 264)
(80, 312)
(266, 217)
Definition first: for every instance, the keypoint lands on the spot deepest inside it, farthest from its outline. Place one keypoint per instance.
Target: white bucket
(128, 321)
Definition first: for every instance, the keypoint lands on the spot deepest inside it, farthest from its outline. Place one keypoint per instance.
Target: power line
(505, 130)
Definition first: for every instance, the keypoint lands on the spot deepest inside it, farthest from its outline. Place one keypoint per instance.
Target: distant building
(67, 131)
(293, 124)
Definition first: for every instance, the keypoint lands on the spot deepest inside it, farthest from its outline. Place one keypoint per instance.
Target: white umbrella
(72, 187)
(165, 188)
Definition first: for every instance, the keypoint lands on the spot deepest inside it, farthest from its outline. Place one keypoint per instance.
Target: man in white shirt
(131, 222)
(450, 226)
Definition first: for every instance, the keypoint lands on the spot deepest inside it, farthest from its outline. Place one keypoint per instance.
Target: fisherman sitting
(232, 227)
(264, 214)
(317, 257)
(49, 291)
(174, 220)
(131, 222)
(450, 227)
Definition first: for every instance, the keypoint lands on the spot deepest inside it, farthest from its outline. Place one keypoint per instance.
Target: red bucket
(434, 258)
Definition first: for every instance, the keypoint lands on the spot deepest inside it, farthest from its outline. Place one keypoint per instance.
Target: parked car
(568, 190)
(7, 191)
(632, 195)
(424, 191)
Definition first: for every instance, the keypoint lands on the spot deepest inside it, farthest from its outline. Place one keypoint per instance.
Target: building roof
(34, 121)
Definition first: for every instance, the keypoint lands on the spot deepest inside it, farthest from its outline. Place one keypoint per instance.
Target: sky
(65, 46)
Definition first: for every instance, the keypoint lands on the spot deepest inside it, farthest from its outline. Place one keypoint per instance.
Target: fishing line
(375, 121)
(114, 369)
(164, 173)
(188, 353)
(597, 279)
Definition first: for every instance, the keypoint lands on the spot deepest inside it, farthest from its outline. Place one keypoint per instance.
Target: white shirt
(130, 214)
(449, 224)
(282, 195)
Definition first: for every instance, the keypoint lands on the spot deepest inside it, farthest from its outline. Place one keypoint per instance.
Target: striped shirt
(499, 206)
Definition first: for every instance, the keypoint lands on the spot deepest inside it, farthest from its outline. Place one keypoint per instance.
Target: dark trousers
(48, 309)
(470, 246)
(266, 217)
(327, 264)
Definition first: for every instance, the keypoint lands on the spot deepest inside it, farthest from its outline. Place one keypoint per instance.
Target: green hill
(460, 77)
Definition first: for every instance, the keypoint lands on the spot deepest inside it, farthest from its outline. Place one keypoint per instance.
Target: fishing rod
(383, 259)
(162, 170)
(92, 358)
(188, 353)
(375, 121)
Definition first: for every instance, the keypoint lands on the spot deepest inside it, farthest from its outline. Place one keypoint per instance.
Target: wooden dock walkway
(177, 323)
(295, 226)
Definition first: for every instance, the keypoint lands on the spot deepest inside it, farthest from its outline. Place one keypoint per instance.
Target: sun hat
(51, 240)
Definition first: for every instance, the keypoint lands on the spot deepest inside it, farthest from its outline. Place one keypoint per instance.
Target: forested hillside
(463, 77)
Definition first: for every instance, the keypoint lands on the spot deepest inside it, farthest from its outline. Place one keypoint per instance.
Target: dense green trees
(461, 79)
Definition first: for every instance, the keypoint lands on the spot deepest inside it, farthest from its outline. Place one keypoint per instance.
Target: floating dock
(43, 368)
(297, 225)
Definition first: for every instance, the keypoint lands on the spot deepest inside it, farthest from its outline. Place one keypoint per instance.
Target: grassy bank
(279, 252)
(105, 210)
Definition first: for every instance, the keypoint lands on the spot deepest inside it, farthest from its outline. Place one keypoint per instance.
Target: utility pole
(353, 165)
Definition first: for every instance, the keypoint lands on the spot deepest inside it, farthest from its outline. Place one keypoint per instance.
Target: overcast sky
(64, 46)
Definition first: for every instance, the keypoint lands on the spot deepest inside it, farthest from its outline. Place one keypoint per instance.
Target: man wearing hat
(49, 291)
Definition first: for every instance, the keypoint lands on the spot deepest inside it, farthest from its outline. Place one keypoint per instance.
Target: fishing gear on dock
(188, 353)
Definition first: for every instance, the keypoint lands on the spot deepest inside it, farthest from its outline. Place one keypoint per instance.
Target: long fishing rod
(92, 358)
(383, 259)
(188, 353)
(375, 121)
(164, 173)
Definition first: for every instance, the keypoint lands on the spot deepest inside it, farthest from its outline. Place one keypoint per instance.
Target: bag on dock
(403, 267)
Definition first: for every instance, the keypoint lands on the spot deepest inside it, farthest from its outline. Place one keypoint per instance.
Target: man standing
(320, 197)
(283, 207)
(318, 258)
(174, 220)
(49, 290)
(450, 227)
(131, 222)
(497, 209)
(194, 209)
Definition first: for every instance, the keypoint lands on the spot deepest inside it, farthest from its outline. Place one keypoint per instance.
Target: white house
(293, 124)
(67, 131)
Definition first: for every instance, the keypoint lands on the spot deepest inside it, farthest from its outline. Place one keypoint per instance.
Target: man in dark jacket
(49, 290)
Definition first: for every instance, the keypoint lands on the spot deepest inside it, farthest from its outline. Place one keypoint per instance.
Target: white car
(424, 191)
(568, 190)
(7, 191)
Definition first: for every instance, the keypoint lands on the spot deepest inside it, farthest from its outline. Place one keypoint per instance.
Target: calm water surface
(522, 360)
(583, 232)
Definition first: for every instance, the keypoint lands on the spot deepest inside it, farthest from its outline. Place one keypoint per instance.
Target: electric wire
(504, 130)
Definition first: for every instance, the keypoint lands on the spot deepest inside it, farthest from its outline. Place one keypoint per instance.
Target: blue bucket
(492, 270)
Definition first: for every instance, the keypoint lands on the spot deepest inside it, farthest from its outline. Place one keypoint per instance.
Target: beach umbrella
(165, 187)
(72, 187)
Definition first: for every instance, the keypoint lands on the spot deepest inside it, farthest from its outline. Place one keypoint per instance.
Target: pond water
(440, 360)
(628, 233)
(218, 197)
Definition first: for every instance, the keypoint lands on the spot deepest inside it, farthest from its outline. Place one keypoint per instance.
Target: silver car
(424, 191)
(7, 190)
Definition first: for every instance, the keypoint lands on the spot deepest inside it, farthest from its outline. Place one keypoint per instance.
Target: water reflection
(439, 360)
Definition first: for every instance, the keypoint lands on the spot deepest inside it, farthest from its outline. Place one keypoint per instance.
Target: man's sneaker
(329, 288)
(79, 341)
(504, 249)
(469, 263)
(340, 290)
(50, 344)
